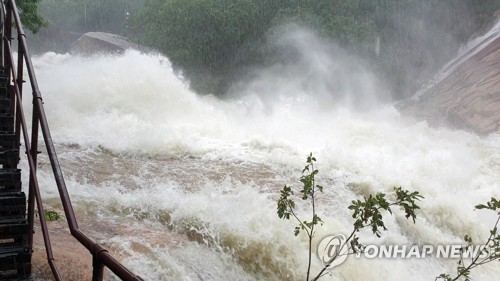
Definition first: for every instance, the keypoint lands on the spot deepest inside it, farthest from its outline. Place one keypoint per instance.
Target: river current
(184, 186)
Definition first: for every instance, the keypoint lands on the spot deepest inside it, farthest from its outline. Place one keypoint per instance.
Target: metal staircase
(15, 252)
(17, 208)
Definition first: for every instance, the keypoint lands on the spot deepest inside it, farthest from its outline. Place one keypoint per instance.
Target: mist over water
(313, 69)
(202, 174)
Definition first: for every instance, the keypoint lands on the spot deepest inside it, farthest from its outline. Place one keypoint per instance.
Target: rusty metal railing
(100, 256)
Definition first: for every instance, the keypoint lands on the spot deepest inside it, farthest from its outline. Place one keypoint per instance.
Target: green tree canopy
(212, 40)
(30, 17)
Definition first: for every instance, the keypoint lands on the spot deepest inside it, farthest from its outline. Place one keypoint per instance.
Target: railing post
(7, 32)
(98, 268)
(2, 32)
(20, 81)
(34, 155)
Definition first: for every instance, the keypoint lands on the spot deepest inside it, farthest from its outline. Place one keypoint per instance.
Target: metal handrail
(34, 187)
(101, 257)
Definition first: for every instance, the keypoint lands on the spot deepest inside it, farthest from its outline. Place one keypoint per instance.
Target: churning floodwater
(184, 187)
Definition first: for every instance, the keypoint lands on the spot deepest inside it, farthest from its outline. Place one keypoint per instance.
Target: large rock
(466, 93)
(100, 42)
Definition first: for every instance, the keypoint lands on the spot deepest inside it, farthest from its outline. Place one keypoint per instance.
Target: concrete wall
(467, 95)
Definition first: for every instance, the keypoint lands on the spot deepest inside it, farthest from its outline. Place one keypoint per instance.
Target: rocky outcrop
(100, 42)
(466, 92)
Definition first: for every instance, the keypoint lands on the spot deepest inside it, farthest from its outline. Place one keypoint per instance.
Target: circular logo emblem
(332, 250)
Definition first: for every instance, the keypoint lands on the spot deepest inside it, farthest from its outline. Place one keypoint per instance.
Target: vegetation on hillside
(28, 10)
(213, 40)
(216, 41)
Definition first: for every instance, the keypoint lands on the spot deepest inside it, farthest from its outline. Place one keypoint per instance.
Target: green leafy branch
(286, 205)
(366, 212)
(490, 253)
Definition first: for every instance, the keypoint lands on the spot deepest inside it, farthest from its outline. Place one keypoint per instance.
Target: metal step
(7, 140)
(6, 123)
(15, 231)
(10, 179)
(4, 84)
(4, 78)
(15, 262)
(9, 157)
(4, 93)
(12, 204)
(4, 103)
(15, 277)
(11, 219)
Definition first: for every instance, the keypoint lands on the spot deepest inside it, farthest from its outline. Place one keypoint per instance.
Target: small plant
(488, 254)
(286, 205)
(366, 212)
(52, 216)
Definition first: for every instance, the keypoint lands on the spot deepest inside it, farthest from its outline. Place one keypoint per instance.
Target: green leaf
(52, 215)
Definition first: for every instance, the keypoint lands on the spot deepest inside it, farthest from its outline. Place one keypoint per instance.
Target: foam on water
(134, 109)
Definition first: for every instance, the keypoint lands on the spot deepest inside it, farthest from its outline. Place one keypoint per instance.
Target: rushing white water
(201, 175)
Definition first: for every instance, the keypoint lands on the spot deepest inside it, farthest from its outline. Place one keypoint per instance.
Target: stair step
(4, 103)
(12, 193)
(10, 248)
(10, 178)
(4, 93)
(7, 139)
(16, 258)
(4, 84)
(9, 175)
(6, 123)
(4, 79)
(12, 204)
(6, 126)
(9, 157)
(12, 219)
(15, 277)
(13, 230)
(11, 188)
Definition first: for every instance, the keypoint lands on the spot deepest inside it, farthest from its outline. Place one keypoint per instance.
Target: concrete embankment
(466, 92)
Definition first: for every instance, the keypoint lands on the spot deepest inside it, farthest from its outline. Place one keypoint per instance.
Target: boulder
(101, 42)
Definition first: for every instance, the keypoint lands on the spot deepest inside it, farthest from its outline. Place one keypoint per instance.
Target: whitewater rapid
(202, 174)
